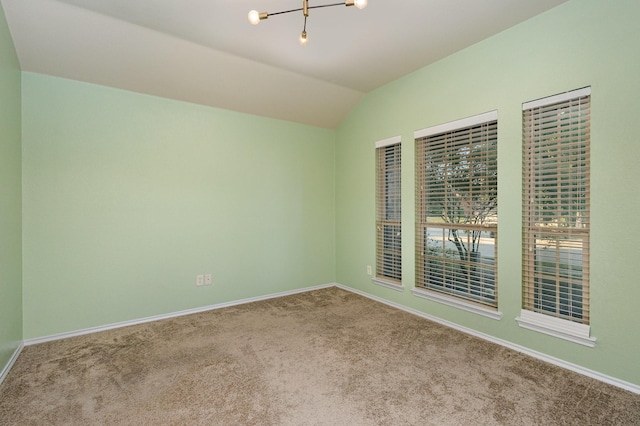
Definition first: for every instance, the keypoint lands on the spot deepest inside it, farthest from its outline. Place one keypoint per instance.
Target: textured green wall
(10, 198)
(128, 197)
(580, 43)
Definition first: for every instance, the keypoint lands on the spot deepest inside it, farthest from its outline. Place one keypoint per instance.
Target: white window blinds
(457, 209)
(556, 137)
(388, 210)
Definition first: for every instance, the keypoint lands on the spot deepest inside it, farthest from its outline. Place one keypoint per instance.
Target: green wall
(10, 198)
(128, 197)
(580, 43)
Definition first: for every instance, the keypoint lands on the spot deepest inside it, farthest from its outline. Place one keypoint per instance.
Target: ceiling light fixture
(255, 17)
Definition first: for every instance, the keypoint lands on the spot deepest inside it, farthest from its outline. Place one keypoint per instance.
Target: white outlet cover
(207, 279)
(200, 280)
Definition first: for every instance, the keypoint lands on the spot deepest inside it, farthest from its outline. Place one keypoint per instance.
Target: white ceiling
(206, 52)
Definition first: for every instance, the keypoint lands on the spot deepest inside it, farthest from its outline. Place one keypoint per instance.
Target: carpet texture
(326, 357)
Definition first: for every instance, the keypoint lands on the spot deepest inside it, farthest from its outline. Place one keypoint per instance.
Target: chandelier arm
(286, 11)
(326, 5)
(310, 7)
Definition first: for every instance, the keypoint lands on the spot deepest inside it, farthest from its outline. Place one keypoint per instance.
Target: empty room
(301, 212)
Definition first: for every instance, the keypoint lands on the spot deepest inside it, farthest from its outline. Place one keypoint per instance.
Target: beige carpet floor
(327, 357)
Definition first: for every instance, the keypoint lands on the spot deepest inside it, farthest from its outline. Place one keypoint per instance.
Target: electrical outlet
(207, 279)
(369, 270)
(199, 280)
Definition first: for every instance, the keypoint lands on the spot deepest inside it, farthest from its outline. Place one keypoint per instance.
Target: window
(388, 213)
(457, 211)
(556, 135)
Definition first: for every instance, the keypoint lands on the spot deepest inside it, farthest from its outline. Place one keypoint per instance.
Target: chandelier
(255, 17)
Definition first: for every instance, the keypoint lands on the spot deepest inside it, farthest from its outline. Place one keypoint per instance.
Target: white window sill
(561, 328)
(457, 303)
(393, 285)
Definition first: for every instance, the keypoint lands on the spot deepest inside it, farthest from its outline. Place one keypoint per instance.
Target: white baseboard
(12, 360)
(97, 329)
(535, 354)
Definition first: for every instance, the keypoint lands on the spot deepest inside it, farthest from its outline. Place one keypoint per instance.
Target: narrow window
(457, 209)
(556, 136)
(388, 212)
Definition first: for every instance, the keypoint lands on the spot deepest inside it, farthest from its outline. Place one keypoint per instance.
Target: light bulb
(254, 17)
(360, 4)
(303, 39)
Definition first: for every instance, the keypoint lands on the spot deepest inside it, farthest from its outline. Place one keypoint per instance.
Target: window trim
(455, 302)
(546, 323)
(444, 298)
(393, 285)
(457, 124)
(554, 99)
(557, 327)
(388, 142)
(382, 280)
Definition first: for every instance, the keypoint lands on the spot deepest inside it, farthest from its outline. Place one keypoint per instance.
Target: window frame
(388, 265)
(452, 298)
(571, 139)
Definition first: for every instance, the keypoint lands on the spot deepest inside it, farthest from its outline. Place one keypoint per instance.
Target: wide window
(556, 136)
(457, 209)
(388, 212)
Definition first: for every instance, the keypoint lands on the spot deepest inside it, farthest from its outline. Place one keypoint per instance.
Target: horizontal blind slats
(456, 212)
(389, 210)
(556, 208)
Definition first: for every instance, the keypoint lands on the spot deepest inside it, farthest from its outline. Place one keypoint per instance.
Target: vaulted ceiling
(206, 52)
